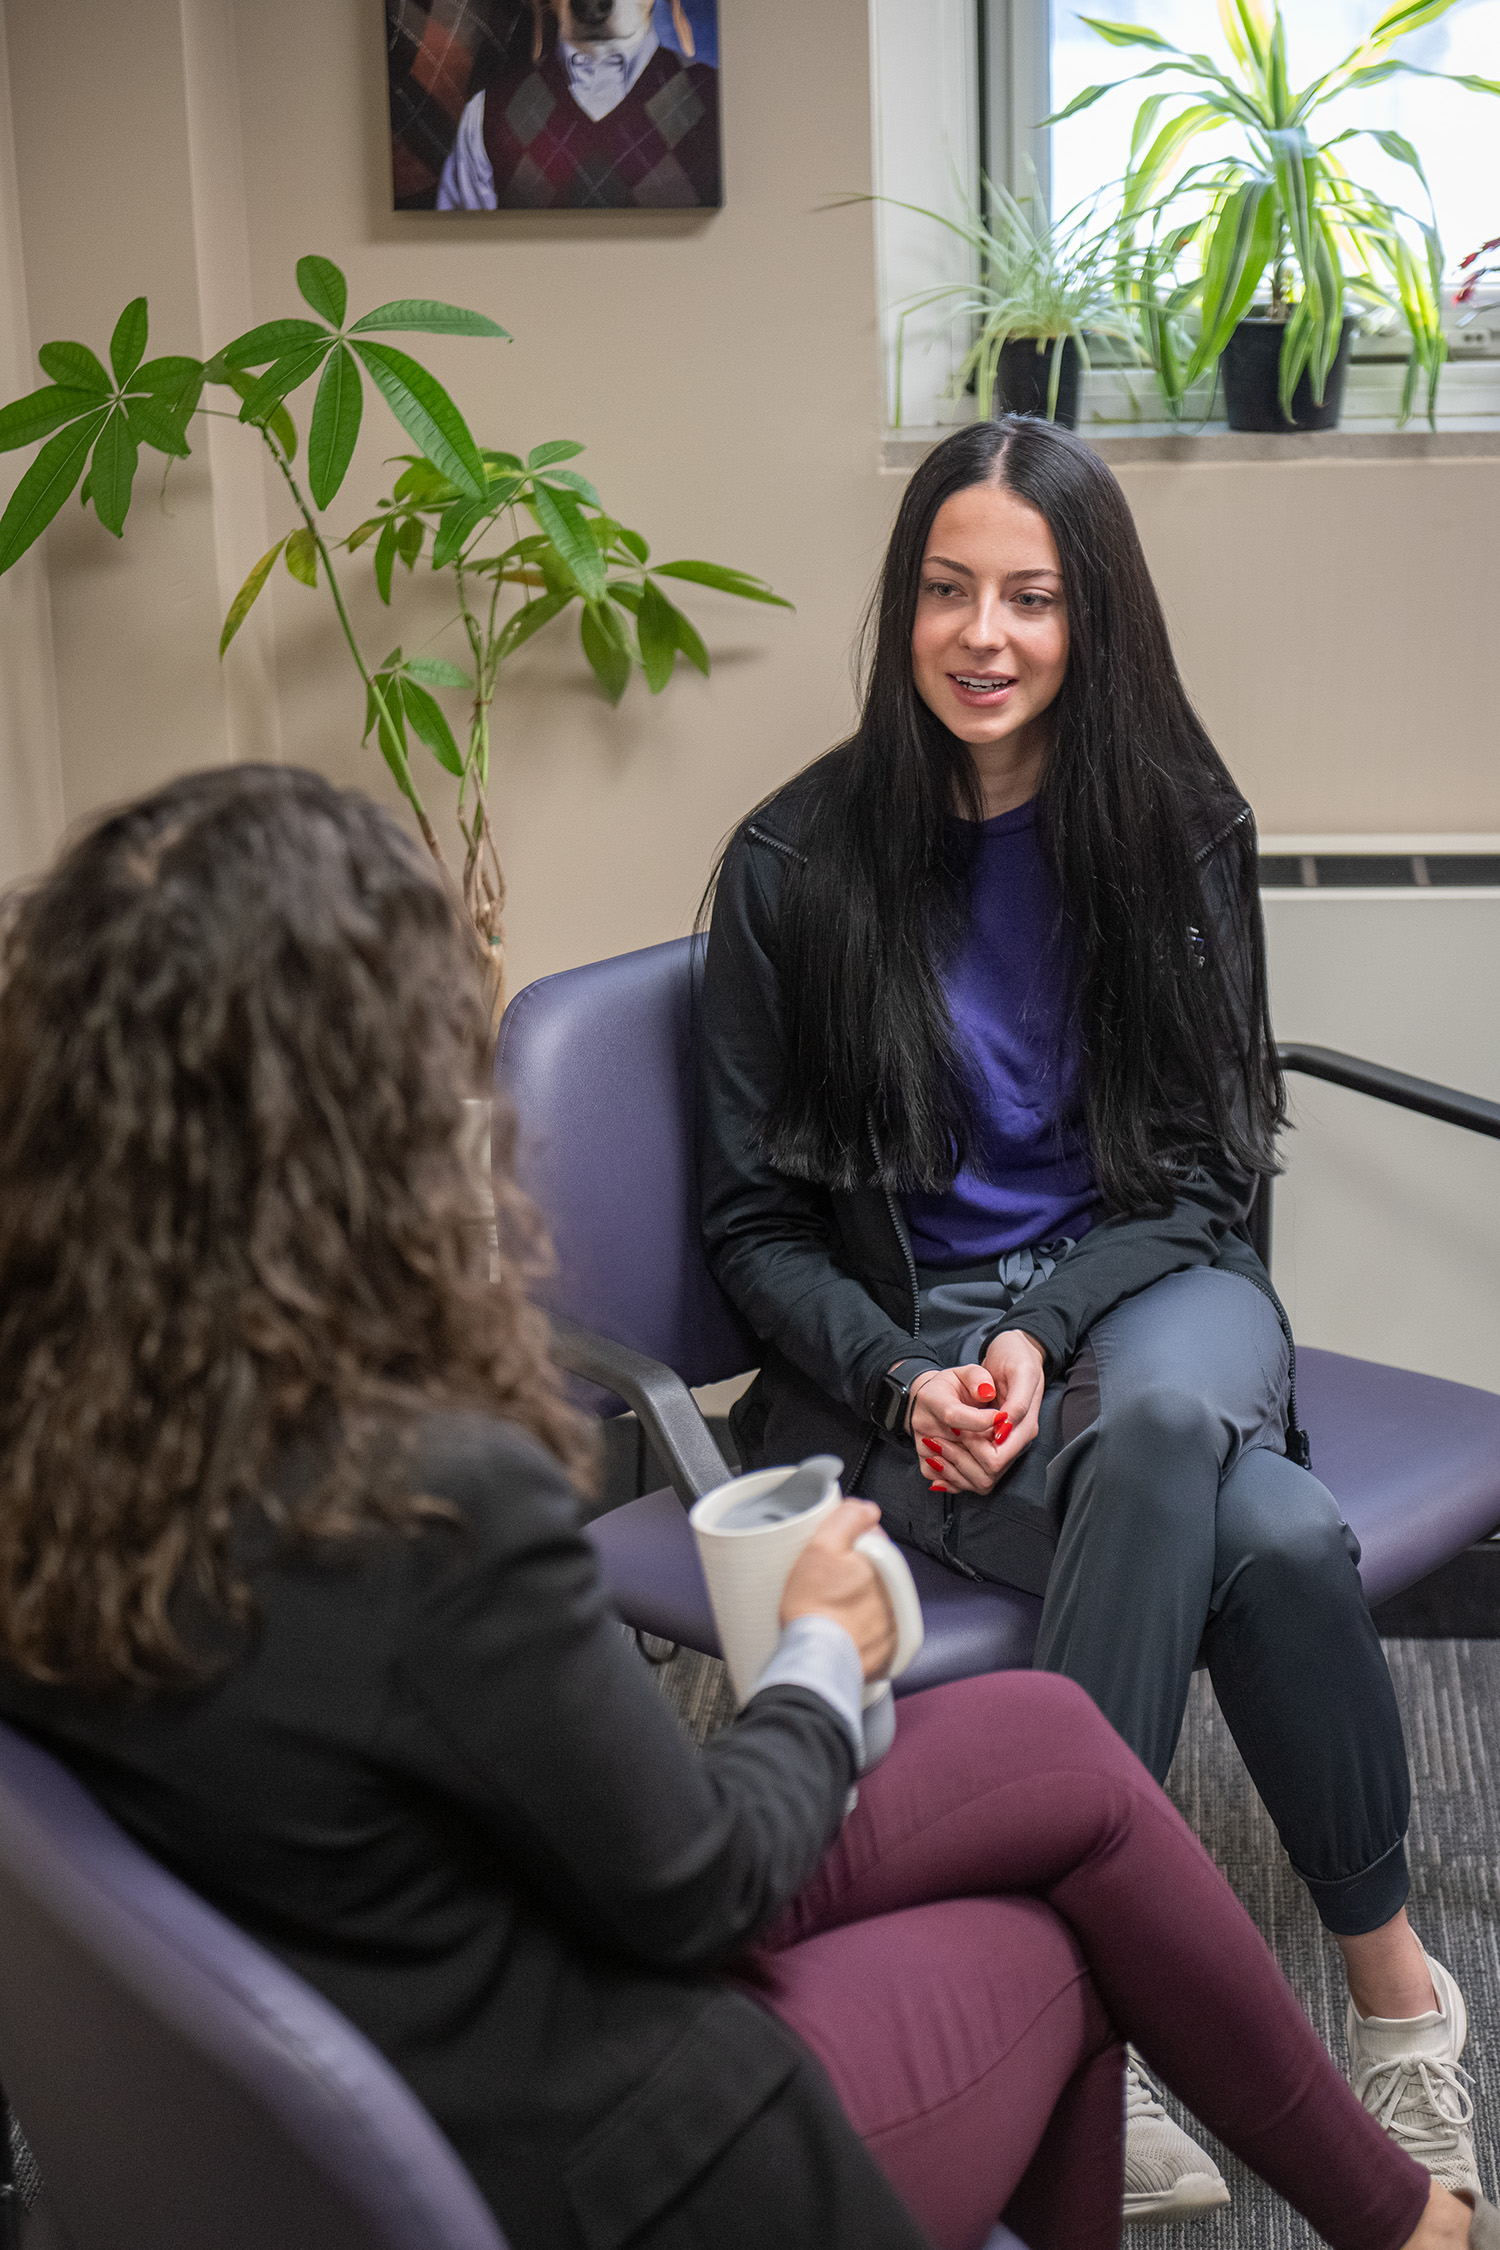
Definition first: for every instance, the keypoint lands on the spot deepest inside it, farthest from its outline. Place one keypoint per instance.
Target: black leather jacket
(826, 1278)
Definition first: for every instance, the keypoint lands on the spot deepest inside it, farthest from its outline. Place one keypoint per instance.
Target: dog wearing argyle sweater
(605, 118)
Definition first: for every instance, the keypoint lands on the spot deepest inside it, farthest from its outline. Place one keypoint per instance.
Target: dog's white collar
(602, 74)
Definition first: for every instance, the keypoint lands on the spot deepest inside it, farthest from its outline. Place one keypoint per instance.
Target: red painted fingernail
(986, 1390)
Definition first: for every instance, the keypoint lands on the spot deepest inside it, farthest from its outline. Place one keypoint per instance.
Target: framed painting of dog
(554, 105)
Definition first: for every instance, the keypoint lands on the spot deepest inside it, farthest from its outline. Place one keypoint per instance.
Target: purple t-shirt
(1007, 994)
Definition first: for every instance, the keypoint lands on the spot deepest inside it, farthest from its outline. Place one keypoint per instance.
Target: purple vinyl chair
(598, 1064)
(181, 2089)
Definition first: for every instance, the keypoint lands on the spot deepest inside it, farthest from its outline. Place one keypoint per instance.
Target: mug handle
(906, 1606)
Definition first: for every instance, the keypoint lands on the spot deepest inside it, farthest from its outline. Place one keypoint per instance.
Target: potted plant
(520, 541)
(1040, 288)
(1272, 246)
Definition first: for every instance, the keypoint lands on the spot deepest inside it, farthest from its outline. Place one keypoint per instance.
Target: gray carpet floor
(1450, 1694)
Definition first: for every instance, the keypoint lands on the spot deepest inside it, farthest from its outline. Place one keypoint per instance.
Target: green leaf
(575, 483)
(152, 423)
(1237, 256)
(302, 556)
(391, 731)
(274, 339)
(1129, 34)
(171, 377)
(127, 346)
(1085, 100)
(428, 723)
(656, 627)
(1174, 136)
(628, 596)
(278, 421)
(556, 449)
(45, 486)
(636, 544)
(283, 376)
(363, 531)
(689, 640)
(75, 365)
(385, 560)
(567, 527)
(244, 600)
(436, 671)
(610, 663)
(456, 526)
(40, 412)
(425, 486)
(410, 533)
(112, 473)
(1405, 16)
(428, 317)
(518, 629)
(324, 288)
(428, 414)
(726, 580)
(500, 461)
(335, 419)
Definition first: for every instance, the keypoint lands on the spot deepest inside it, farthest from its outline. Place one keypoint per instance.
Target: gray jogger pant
(1187, 1531)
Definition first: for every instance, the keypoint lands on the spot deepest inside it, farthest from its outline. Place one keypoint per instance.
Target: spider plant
(1048, 279)
(1280, 211)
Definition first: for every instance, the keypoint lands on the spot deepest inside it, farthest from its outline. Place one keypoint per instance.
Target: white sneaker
(1405, 2071)
(1167, 2176)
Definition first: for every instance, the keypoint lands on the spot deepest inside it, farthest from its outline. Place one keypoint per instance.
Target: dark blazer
(437, 1781)
(825, 1277)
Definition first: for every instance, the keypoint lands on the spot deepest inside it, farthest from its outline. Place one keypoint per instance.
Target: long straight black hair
(1177, 1056)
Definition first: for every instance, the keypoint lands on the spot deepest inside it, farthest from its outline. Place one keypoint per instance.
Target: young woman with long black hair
(988, 1085)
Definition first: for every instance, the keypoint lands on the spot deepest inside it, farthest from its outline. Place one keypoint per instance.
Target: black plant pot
(1251, 369)
(1023, 376)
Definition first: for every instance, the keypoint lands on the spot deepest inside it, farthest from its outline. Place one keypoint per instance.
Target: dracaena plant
(451, 503)
(1278, 212)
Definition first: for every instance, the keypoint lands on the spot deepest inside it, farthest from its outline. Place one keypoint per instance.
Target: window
(1455, 132)
(962, 84)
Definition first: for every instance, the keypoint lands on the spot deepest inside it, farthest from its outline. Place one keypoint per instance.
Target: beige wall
(723, 372)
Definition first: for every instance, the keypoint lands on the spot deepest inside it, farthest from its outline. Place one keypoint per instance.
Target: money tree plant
(519, 541)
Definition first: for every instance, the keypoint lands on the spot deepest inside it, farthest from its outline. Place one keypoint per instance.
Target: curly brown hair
(238, 1024)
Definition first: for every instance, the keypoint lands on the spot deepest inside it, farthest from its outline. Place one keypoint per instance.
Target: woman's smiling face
(990, 643)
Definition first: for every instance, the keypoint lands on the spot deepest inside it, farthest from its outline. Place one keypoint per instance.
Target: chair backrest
(598, 1064)
(181, 2089)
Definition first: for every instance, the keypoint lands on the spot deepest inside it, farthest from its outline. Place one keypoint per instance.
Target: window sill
(1214, 444)
(1116, 417)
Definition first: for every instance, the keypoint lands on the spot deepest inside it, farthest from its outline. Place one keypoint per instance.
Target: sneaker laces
(1420, 2100)
(1140, 2095)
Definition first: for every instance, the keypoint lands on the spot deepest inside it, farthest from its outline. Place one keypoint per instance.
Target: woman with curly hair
(292, 1575)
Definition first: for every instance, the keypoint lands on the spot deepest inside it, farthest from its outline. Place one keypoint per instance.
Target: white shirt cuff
(816, 1654)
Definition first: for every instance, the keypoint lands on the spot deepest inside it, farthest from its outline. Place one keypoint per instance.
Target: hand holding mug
(829, 1579)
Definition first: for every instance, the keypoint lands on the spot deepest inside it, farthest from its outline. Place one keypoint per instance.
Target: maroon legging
(1012, 1897)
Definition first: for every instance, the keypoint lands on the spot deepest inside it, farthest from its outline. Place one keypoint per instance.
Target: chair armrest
(661, 1401)
(1471, 1111)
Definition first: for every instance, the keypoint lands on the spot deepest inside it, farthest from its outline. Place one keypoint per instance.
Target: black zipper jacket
(825, 1277)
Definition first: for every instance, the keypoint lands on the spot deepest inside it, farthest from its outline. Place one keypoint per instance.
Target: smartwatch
(892, 1393)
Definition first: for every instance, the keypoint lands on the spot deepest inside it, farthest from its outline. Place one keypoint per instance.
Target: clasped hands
(970, 1423)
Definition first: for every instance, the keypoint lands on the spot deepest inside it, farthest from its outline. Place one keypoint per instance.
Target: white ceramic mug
(746, 1569)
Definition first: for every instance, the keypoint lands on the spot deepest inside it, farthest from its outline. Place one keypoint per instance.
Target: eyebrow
(944, 562)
